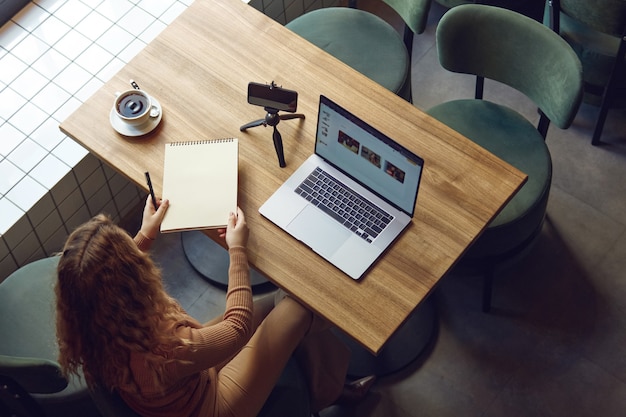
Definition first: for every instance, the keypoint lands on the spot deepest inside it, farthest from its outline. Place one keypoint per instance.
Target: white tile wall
(26, 193)
(53, 55)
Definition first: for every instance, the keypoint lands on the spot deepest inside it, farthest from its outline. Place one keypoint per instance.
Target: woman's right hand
(237, 230)
(152, 217)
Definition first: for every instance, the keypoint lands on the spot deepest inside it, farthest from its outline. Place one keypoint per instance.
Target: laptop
(353, 197)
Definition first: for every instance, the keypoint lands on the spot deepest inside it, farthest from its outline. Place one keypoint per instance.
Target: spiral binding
(200, 142)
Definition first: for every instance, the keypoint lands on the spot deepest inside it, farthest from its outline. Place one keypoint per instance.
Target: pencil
(154, 201)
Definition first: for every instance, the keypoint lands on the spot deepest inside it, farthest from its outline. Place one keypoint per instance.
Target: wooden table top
(199, 68)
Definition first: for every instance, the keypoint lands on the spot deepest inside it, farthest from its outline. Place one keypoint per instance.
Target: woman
(115, 320)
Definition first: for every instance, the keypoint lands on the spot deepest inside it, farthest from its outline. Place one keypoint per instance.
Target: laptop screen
(368, 156)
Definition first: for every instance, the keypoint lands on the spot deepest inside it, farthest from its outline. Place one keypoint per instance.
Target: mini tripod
(272, 118)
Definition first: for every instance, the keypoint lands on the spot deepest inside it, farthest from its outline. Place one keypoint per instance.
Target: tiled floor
(53, 55)
(554, 344)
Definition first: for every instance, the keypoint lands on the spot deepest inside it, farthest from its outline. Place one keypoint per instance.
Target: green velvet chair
(28, 348)
(31, 384)
(505, 46)
(366, 42)
(596, 30)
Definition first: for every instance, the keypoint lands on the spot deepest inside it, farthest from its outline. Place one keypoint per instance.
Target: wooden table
(199, 67)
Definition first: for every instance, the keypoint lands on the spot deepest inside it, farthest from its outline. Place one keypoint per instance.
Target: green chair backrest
(508, 47)
(606, 16)
(413, 12)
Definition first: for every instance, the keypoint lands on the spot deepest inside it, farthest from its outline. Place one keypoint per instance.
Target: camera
(272, 97)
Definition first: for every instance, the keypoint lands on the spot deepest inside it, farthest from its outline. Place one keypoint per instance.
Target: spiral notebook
(200, 181)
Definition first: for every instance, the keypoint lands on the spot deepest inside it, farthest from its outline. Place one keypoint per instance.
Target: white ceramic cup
(133, 106)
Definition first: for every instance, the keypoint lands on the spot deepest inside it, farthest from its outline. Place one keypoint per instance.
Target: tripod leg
(278, 145)
(291, 116)
(252, 124)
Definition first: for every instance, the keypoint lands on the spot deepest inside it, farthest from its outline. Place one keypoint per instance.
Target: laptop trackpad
(323, 234)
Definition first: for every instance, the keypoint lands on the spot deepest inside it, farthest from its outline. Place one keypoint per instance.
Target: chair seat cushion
(361, 40)
(511, 137)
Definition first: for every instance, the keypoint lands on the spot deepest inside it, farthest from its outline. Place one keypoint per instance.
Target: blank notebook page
(200, 180)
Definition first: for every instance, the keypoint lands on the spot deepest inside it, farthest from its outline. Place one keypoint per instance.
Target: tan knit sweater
(190, 377)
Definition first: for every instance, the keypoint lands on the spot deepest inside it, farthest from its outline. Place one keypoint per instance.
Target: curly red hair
(111, 302)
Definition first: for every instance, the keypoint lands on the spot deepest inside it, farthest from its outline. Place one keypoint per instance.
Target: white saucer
(125, 129)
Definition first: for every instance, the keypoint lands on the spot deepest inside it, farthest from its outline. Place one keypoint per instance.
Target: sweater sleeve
(143, 242)
(214, 344)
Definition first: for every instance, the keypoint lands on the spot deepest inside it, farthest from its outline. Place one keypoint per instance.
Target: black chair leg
(488, 289)
(597, 132)
(607, 95)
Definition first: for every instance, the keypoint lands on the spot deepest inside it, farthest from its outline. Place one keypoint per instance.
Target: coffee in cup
(133, 106)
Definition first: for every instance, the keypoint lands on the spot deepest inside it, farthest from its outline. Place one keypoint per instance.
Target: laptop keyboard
(344, 205)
